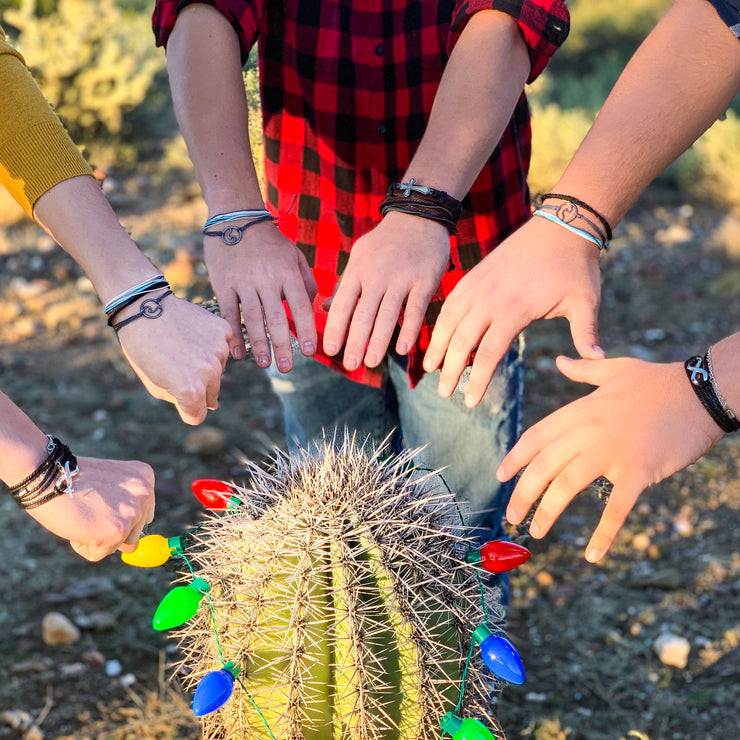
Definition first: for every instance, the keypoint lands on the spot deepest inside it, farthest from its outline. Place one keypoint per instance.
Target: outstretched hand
(252, 279)
(180, 356)
(113, 501)
(396, 266)
(540, 271)
(642, 424)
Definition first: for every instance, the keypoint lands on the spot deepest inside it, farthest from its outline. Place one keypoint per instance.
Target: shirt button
(379, 50)
(382, 129)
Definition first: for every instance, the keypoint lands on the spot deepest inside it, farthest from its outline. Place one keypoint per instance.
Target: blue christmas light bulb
(499, 655)
(214, 690)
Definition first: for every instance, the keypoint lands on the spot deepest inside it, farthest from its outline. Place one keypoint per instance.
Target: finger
(573, 478)
(465, 339)
(584, 328)
(254, 323)
(386, 322)
(341, 307)
(213, 384)
(450, 316)
(277, 325)
(551, 456)
(621, 501)
(93, 554)
(309, 281)
(413, 318)
(190, 403)
(593, 372)
(228, 303)
(361, 327)
(491, 350)
(301, 309)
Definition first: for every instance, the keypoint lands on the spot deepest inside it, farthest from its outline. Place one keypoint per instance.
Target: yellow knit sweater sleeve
(36, 152)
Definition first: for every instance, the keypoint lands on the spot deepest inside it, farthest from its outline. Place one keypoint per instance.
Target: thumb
(593, 372)
(584, 328)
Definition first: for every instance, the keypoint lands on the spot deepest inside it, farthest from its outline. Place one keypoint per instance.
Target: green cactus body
(339, 588)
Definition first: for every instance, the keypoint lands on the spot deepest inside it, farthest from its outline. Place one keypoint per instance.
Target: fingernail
(511, 515)
(469, 401)
(500, 476)
(263, 359)
(598, 349)
(237, 353)
(309, 348)
(331, 348)
(284, 363)
(593, 555)
(443, 390)
(402, 348)
(534, 529)
(372, 359)
(351, 362)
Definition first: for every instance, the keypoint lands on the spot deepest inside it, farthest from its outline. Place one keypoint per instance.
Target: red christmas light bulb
(214, 494)
(498, 556)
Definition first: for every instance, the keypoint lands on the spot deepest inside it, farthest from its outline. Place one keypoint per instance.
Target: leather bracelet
(698, 371)
(422, 201)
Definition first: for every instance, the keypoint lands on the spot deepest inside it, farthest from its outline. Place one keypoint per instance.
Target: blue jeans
(468, 443)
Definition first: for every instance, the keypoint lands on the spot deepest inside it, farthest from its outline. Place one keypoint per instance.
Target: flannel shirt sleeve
(243, 15)
(544, 24)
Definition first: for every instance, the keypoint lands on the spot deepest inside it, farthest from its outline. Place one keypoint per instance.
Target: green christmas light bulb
(465, 729)
(180, 605)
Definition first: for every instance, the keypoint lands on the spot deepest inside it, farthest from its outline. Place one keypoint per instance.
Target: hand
(540, 271)
(112, 502)
(642, 424)
(398, 265)
(256, 275)
(179, 356)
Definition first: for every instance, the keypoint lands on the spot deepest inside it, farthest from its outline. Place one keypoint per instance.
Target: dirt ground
(585, 633)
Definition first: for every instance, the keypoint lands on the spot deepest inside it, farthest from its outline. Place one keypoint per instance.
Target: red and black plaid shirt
(347, 89)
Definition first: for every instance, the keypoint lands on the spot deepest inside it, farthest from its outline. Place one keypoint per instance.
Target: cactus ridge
(339, 587)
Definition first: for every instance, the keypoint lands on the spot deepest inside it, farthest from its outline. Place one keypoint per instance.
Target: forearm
(675, 86)
(481, 85)
(22, 443)
(78, 216)
(204, 65)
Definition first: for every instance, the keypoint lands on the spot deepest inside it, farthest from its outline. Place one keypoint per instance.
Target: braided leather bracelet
(698, 371)
(423, 201)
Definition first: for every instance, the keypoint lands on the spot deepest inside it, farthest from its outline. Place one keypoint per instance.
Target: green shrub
(93, 64)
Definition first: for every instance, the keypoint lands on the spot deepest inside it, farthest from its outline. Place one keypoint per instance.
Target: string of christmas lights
(216, 688)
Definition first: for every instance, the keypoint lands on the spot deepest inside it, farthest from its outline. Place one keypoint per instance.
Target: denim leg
(468, 443)
(316, 398)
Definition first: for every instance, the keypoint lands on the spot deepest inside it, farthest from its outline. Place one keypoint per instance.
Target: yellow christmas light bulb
(153, 550)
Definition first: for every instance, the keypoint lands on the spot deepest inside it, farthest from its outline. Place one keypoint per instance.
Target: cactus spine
(338, 585)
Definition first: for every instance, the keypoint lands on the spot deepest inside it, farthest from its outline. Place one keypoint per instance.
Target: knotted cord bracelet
(426, 202)
(233, 235)
(573, 229)
(699, 373)
(129, 296)
(151, 308)
(59, 464)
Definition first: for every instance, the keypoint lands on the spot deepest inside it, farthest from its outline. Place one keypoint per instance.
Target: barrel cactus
(336, 600)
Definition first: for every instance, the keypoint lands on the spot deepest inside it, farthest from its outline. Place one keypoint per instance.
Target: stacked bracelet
(233, 234)
(57, 471)
(568, 214)
(575, 203)
(426, 202)
(150, 308)
(699, 372)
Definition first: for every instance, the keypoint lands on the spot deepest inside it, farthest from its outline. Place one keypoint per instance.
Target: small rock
(33, 733)
(544, 579)
(113, 668)
(58, 630)
(683, 526)
(641, 542)
(128, 679)
(17, 719)
(100, 621)
(205, 441)
(33, 665)
(654, 335)
(674, 234)
(672, 650)
(668, 579)
(94, 658)
(535, 697)
(68, 670)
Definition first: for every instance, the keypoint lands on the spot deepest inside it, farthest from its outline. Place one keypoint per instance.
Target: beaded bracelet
(699, 372)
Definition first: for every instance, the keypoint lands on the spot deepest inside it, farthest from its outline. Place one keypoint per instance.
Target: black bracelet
(150, 308)
(698, 371)
(58, 468)
(576, 202)
(233, 235)
(423, 201)
(152, 288)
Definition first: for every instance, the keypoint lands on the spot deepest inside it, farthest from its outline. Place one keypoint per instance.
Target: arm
(644, 421)
(482, 83)
(204, 65)
(112, 500)
(179, 357)
(645, 124)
